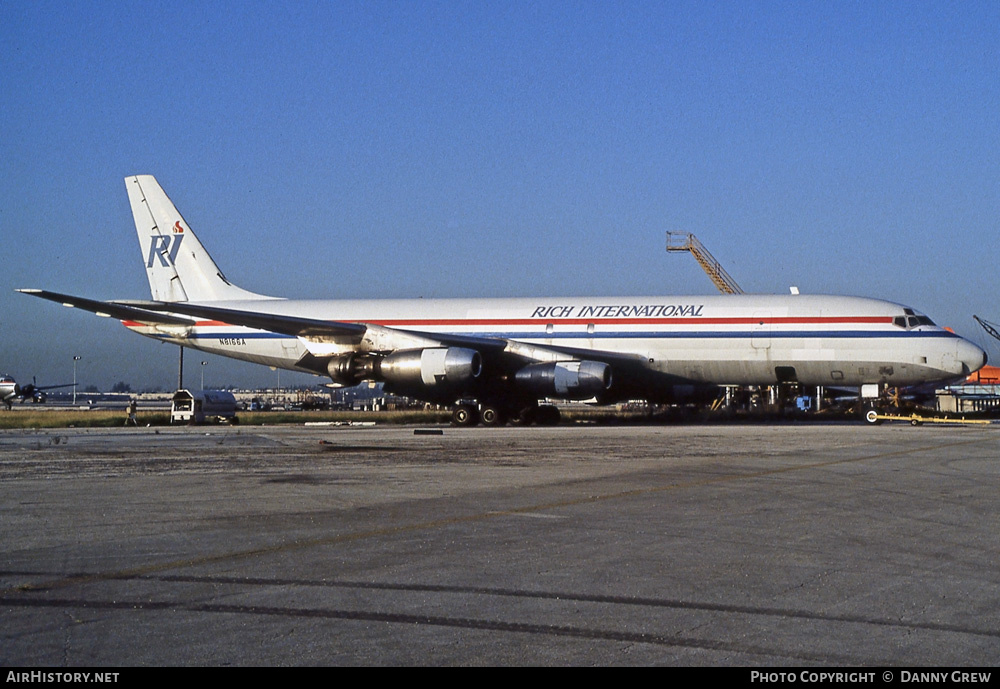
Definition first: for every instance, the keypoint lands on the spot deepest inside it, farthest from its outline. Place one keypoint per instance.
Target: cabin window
(549, 328)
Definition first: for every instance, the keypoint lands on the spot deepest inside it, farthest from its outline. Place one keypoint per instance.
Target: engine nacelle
(574, 380)
(409, 368)
(432, 367)
(351, 369)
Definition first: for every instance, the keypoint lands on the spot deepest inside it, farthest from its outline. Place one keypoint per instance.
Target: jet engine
(410, 368)
(575, 380)
(434, 366)
(351, 369)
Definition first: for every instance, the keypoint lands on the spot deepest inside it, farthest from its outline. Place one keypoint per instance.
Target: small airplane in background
(492, 360)
(11, 391)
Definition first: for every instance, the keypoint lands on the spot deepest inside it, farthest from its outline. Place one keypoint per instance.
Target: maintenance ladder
(685, 241)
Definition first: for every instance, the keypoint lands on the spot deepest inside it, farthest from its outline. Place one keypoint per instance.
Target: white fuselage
(720, 340)
(8, 389)
(505, 354)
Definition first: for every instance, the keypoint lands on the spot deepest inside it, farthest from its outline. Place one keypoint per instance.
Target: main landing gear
(488, 414)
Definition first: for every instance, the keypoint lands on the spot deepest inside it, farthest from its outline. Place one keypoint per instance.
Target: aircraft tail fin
(177, 265)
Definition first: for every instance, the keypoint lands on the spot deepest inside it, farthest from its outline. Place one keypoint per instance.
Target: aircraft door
(760, 330)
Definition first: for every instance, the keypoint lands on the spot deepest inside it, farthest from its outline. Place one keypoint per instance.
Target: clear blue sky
(384, 149)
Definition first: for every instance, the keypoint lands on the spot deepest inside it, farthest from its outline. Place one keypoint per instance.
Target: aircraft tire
(490, 415)
(871, 416)
(525, 416)
(464, 415)
(547, 415)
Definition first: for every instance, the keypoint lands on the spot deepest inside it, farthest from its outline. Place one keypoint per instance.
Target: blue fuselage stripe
(625, 334)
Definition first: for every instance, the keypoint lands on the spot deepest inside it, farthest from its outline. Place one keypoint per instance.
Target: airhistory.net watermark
(61, 677)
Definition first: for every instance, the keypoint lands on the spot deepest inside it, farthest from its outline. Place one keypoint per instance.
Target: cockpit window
(911, 320)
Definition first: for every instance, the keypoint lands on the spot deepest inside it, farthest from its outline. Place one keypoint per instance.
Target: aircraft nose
(972, 356)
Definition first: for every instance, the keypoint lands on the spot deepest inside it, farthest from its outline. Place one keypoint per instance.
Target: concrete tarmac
(738, 545)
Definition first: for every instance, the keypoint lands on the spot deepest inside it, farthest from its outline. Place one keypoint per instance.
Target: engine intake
(574, 380)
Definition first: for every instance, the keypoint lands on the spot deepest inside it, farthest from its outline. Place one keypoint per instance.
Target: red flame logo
(177, 228)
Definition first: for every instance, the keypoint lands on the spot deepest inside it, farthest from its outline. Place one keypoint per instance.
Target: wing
(503, 354)
(109, 309)
(55, 387)
(277, 323)
(316, 330)
(187, 313)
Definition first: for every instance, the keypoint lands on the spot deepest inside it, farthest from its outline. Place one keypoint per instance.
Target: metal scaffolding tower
(685, 241)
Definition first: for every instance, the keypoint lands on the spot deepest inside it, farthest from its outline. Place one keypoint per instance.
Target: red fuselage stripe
(447, 322)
